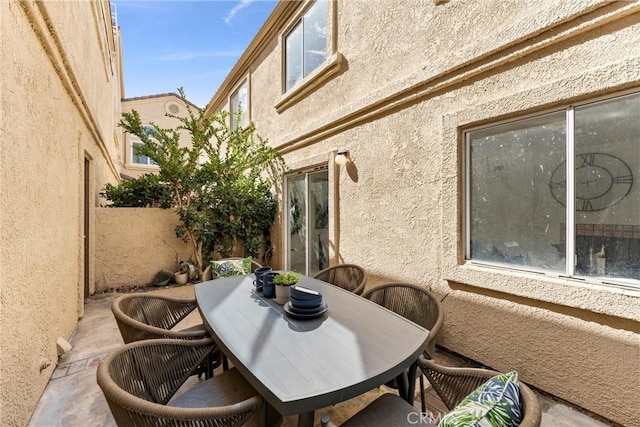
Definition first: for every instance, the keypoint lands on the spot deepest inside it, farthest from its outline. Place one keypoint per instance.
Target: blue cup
(259, 273)
(268, 288)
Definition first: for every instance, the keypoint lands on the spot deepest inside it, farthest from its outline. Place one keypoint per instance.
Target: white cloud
(237, 8)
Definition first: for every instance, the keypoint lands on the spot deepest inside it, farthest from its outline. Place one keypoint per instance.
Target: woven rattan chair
(416, 304)
(146, 316)
(347, 276)
(140, 379)
(452, 385)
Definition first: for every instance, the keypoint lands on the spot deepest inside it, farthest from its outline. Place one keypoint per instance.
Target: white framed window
(239, 106)
(558, 193)
(139, 159)
(306, 45)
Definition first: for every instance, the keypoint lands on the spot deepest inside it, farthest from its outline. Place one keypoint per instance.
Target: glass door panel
(308, 222)
(318, 222)
(297, 231)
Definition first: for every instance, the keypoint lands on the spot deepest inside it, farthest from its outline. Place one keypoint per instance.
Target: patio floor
(73, 398)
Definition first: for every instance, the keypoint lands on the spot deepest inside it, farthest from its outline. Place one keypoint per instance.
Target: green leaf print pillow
(230, 267)
(495, 403)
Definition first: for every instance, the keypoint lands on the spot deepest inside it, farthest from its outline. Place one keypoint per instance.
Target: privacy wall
(133, 244)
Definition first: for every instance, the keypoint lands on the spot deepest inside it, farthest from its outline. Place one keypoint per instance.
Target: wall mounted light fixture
(342, 157)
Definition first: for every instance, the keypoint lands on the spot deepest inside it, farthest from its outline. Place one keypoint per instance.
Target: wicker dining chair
(347, 276)
(416, 304)
(139, 381)
(452, 385)
(145, 316)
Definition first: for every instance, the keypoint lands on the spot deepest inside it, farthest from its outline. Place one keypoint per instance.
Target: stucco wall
(133, 244)
(412, 79)
(52, 117)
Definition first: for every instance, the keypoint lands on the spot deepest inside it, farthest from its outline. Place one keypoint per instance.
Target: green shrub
(221, 183)
(144, 191)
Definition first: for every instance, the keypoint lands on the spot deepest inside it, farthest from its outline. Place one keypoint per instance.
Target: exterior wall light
(342, 158)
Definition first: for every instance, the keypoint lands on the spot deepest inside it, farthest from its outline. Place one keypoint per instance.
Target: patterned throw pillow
(495, 403)
(230, 267)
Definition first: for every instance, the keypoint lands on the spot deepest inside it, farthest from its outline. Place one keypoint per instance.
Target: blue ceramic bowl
(306, 304)
(305, 294)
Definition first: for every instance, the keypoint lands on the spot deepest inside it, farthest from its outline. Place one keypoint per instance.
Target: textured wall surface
(412, 78)
(133, 244)
(57, 93)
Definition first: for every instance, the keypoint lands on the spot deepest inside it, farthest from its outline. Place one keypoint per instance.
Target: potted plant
(283, 284)
(182, 275)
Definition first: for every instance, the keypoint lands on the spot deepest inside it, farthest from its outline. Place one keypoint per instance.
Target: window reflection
(518, 183)
(306, 44)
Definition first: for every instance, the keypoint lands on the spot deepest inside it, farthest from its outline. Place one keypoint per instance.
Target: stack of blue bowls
(305, 299)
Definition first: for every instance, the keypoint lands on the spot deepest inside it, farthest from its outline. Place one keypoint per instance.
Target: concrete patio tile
(60, 371)
(77, 366)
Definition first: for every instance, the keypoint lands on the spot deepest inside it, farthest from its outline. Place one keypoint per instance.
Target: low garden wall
(132, 244)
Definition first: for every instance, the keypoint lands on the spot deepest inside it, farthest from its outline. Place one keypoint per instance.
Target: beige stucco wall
(153, 109)
(133, 244)
(410, 78)
(59, 71)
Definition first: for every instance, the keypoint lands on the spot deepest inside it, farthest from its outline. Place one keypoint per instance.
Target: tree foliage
(220, 181)
(142, 192)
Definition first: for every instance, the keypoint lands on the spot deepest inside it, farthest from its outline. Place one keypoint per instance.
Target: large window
(307, 225)
(137, 158)
(559, 193)
(306, 44)
(239, 107)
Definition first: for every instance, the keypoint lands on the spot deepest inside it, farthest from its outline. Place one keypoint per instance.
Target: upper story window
(239, 106)
(306, 45)
(139, 159)
(559, 193)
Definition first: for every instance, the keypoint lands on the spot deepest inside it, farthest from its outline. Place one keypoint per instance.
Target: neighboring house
(461, 119)
(60, 88)
(152, 109)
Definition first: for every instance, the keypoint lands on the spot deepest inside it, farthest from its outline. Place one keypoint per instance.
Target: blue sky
(193, 44)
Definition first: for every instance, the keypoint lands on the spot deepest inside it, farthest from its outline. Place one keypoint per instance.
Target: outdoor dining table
(299, 366)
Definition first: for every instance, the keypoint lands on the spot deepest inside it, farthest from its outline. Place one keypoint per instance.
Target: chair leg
(423, 403)
(225, 362)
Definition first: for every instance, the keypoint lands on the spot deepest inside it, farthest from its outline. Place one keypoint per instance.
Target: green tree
(220, 185)
(144, 191)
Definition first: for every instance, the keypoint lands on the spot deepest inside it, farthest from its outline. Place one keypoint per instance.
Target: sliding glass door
(307, 224)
